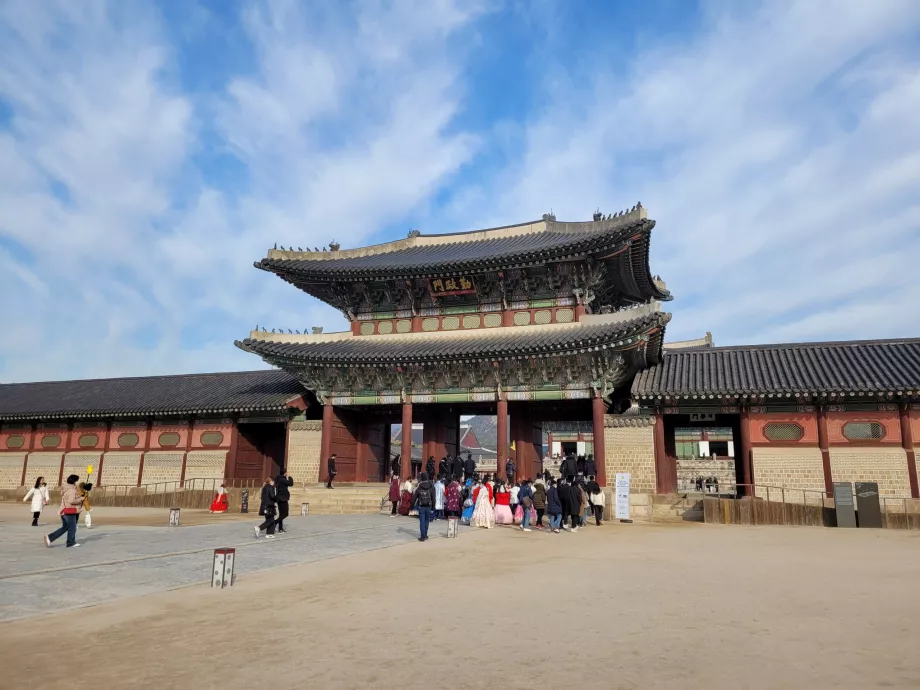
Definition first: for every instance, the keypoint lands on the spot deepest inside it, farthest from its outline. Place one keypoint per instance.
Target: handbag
(69, 510)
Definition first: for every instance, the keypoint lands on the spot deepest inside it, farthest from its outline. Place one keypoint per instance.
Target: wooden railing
(778, 505)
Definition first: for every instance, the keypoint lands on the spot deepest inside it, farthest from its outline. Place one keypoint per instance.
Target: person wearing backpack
(424, 499)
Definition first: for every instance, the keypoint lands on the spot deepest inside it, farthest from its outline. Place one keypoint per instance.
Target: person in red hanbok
(503, 515)
(221, 502)
(394, 494)
(405, 498)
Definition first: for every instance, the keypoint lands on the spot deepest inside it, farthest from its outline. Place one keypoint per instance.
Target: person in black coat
(267, 510)
(394, 466)
(469, 467)
(283, 496)
(510, 470)
(429, 466)
(330, 466)
(590, 466)
(456, 467)
(565, 499)
(444, 467)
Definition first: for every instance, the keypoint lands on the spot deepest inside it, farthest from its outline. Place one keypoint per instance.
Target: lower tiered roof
(833, 368)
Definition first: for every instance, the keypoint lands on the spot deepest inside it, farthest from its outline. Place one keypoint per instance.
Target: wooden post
(326, 440)
(747, 467)
(599, 408)
(501, 455)
(907, 441)
(825, 452)
(405, 460)
(662, 473)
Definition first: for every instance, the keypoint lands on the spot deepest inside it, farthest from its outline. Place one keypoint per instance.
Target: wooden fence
(772, 505)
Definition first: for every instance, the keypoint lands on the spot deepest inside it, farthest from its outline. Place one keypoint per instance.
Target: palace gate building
(547, 321)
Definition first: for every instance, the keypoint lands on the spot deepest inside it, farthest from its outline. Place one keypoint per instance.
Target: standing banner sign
(622, 496)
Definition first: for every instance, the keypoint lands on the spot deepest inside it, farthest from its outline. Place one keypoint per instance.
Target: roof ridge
(147, 378)
(800, 345)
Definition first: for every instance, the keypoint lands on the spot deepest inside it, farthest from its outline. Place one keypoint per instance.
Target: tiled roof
(248, 391)
(807, 368)
(442, 346)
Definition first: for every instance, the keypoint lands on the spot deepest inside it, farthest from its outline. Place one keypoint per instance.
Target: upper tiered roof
(620, 241)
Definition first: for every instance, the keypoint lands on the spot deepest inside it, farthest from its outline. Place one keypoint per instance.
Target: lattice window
(450, 323)
(565, 315)
(403, 326)
(128, 440)
(864, 431)
(367, 328)
(543, 317)
(168, 438)
(430, 324)
(492, 320)
(385, 327)
(15, 441)
(783, 431)
(52, 441)
(521, 318)
(212, 438)
(88, 440)
(471, 321)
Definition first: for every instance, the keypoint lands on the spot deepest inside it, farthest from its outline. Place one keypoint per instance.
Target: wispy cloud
(775, 144)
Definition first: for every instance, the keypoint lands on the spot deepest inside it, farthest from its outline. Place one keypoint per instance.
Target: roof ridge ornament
(413, 233)
(549, 217)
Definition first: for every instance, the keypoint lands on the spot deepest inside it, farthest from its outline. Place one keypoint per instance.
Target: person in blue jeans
(424, 498)
(71, 502)
(554, 506)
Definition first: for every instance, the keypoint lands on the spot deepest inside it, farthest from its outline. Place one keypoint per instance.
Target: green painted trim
(541, 303)
(461, 309)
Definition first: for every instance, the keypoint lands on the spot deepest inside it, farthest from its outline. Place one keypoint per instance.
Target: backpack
(424, 497)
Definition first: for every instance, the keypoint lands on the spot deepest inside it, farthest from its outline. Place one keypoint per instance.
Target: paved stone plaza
(137, 560)
(622, 606)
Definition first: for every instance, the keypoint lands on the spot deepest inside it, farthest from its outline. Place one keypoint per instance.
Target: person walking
(39, 497)
(429, 468)
(539, 501)
(439, 499)
(394, 466)
(554, 506)
(424, 499)
(71, 503)
(453, 501)
(510, 469)
(469, 467)
(576, 507)
(597, 499)
(267, 510)
(330, 467)
(525, 499)
(514, 491)
(394, 494)
(444, 468)
(283, 483)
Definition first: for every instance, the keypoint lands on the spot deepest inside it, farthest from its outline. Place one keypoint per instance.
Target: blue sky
(150, 152)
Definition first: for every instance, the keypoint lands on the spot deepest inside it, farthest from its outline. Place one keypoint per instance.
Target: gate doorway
(260, 450)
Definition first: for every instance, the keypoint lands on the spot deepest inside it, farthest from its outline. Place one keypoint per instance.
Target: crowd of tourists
(486, 500)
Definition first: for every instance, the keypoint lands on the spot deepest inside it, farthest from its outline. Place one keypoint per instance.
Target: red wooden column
(907, 441)
(825, 452)
(662, 469)
(747, 466)
(326, 440)
(405, 459)
(363, 451)
(501, 433)
(599, 409)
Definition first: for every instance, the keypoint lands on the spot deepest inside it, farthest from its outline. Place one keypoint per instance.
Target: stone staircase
(687, 507)
(344, 499)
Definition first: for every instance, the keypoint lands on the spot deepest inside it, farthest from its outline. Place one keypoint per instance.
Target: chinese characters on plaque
(453, 285)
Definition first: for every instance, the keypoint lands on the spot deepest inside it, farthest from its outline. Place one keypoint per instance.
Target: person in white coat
(39, 497)
(439, 499)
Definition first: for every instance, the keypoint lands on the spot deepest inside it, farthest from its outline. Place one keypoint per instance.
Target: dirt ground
(622, 606)
(124, 517)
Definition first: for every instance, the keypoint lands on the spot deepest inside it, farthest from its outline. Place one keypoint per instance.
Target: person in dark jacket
(469, 467)
(423, 497)
(330, 467)
(267, 510)
(429, 466)
(444, 467)
(590, 466)
(456, 467)
(539, 502)
(283, 496)
(564, 490)
(510, 470)
(575, 506)
(554, 506)
(394, 494)
(394, 466)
